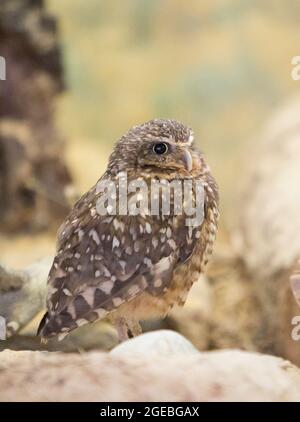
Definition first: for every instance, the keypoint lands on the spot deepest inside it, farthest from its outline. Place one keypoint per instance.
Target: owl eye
(160, 148)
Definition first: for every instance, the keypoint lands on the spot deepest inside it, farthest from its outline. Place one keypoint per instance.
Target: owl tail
(41, 327)
(295, 282)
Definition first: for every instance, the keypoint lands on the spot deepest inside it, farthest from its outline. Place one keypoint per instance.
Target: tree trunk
(34, 179)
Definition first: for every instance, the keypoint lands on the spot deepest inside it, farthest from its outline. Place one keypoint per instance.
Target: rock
(97, 336)
(229, 375)
(222, 310)
(270, 203)
(155, 344)
(265, 236)
(22, 294)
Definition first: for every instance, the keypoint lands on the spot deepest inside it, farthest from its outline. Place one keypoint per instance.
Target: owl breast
(184, 276)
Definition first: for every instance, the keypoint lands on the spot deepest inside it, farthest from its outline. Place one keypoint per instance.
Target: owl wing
(104, 261)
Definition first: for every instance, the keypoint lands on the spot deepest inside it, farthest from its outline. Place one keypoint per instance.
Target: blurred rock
(212, 376)
(266, 237)
(222, 310)
(96, 336)
(270, 203)
(246, 299)
(155, 344)
(34, 180)
(22, 294)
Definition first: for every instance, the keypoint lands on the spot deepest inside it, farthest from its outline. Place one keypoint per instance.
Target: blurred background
(80, 74)
(221, 67)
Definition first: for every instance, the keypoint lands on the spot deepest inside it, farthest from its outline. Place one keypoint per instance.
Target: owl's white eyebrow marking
(188, 143)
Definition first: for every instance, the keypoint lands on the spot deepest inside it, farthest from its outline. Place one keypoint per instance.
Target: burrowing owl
(130, 266)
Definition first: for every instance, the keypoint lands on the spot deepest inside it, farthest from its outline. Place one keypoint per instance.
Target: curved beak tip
(187, 160)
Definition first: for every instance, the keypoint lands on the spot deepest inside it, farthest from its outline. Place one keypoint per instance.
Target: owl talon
(134, 328)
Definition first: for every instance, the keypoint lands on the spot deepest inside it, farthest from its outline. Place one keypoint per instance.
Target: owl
(133, 263)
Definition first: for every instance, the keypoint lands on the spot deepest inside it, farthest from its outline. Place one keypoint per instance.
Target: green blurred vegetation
(220, 66)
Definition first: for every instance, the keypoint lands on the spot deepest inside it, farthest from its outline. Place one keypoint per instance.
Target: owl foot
(125, 327)
(134, 328)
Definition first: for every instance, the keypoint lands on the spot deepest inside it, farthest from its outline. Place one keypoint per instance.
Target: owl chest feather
(184, 276)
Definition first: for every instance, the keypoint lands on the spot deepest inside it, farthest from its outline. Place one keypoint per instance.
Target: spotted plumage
(131, 267)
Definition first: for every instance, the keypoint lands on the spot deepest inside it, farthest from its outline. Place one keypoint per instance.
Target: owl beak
(187, 160)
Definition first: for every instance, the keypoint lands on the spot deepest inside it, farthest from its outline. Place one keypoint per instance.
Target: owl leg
(135, 328)
(122, 329)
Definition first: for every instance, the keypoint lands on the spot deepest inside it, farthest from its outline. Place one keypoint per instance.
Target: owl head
(156, 146)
